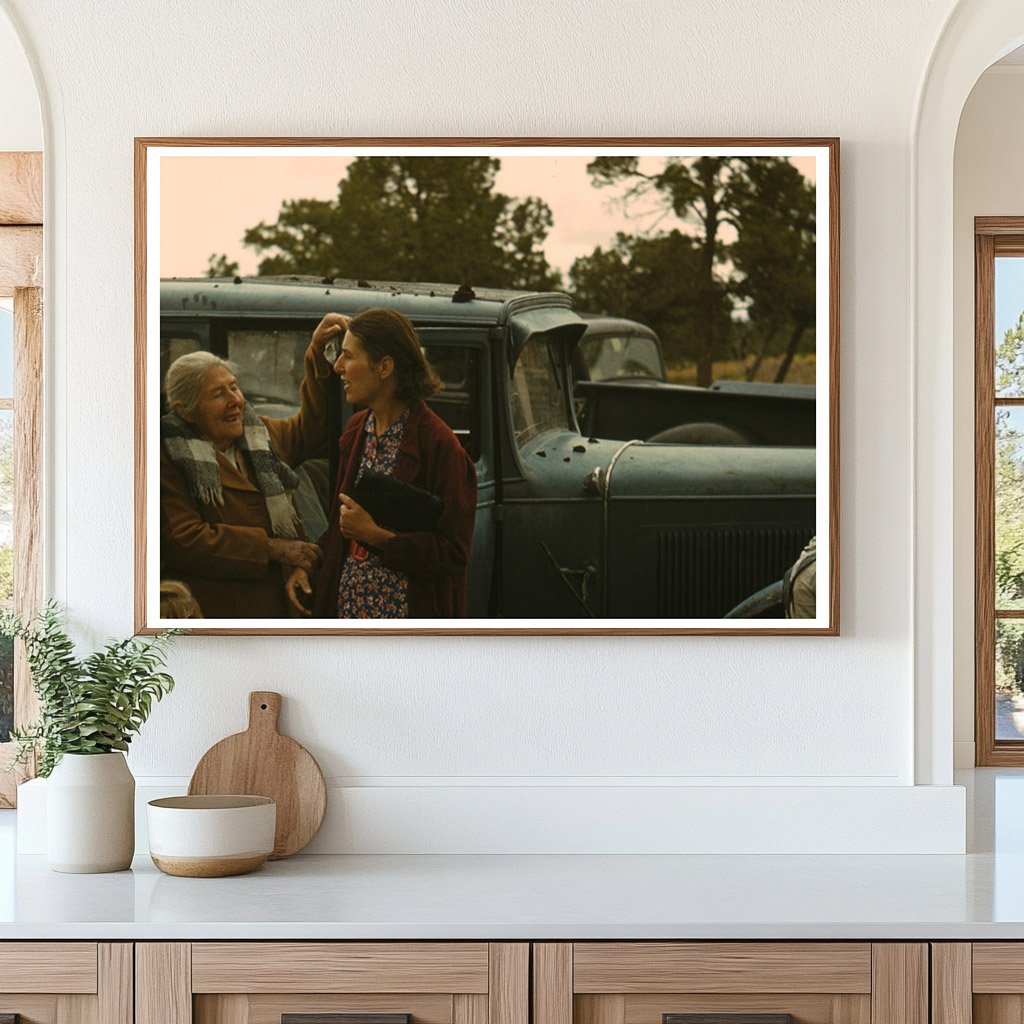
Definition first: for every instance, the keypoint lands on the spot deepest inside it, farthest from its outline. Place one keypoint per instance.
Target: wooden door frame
(21, 277)
(993, 237)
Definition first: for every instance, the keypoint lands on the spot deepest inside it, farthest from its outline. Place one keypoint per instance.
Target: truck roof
(287, 296)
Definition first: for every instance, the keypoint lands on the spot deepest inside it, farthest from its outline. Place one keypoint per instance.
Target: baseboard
(603, 819)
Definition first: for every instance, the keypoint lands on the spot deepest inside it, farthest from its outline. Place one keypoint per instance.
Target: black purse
(395, 505)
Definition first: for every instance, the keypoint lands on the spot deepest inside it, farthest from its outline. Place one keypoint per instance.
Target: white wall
(423, 717)
(988, 182)
(21, 127)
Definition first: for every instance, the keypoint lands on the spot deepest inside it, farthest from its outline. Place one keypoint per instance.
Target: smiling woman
(228, 523)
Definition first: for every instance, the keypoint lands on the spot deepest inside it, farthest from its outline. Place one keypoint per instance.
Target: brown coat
(222, 552)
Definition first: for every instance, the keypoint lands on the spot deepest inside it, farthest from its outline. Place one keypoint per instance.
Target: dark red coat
(435, 561)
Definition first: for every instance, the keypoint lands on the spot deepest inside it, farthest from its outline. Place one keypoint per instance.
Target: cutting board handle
(264, 710)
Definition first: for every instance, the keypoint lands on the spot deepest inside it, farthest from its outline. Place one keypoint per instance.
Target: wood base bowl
(211, 836)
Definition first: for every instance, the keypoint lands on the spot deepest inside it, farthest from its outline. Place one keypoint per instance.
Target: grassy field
(801, 372)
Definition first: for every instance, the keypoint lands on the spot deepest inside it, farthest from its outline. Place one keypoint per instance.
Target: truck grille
(705, 574)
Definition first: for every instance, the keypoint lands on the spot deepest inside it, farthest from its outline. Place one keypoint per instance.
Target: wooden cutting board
(262, 762)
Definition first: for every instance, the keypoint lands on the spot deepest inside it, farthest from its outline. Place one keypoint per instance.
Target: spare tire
(699, 433)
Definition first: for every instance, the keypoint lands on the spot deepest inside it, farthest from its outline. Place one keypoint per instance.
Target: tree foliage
(88, 705)
(654, 281)
(413, 219)
(1009, 504)
(774, 254)
(1009, 472)
(750, 222)
(221, 266)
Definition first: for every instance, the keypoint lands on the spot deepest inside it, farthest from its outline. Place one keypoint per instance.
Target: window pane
(538, 402)
(6, 350)
(625, 356)
(1009, 339)
(1009, 679)
(458, 403)
(270, 368)
(1009, 525)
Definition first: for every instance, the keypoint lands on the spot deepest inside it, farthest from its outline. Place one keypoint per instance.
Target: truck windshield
(539, 401)
(617, 356)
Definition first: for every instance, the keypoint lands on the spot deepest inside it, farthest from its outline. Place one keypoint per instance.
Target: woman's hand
(297, 553)
(333, 326)
(357, 524)
(299, 591)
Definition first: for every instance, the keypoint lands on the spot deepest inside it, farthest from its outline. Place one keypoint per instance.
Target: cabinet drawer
(339, 967)
(62, 982)
(381, 983)
(730, 983)
(68, 967)
(721, 967)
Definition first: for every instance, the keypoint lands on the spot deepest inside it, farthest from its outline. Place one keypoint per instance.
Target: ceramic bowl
(211, 836)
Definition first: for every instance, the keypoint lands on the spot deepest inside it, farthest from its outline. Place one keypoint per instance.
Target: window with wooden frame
(21, 364)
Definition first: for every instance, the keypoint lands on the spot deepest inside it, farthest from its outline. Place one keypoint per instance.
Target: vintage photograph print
(487, 386)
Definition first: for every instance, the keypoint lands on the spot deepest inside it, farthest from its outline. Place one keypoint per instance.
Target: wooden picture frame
(584, 524)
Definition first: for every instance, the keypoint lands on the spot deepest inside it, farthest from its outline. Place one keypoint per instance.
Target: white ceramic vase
(90, 814)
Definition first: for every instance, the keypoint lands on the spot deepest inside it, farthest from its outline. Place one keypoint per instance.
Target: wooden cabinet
(510, 983)
(262, 982)
(66, 982)
(750, 982)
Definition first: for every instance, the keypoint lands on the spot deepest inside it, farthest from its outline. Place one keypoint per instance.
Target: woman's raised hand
(334, 325)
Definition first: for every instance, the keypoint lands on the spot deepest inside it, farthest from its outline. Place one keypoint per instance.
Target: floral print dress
(368, 589)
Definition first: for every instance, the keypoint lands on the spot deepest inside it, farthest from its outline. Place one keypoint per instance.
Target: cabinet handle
(337, 1018)
(727, 1018)
(10, 1018)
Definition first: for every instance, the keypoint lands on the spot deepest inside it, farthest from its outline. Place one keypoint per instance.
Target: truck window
(538, 397)
(459, 403)
(269, 367)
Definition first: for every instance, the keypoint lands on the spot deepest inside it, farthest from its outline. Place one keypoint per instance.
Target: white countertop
(538, 897)
(977, 896)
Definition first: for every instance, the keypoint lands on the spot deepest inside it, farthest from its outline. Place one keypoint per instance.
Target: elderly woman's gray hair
(183, 384)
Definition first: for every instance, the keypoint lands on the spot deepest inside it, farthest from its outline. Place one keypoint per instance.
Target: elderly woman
(370, 570)
(229, 528)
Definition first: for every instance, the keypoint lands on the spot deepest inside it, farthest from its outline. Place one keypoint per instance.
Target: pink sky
(207, 202)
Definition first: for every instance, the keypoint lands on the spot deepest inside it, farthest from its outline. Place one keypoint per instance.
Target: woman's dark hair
(383, 332)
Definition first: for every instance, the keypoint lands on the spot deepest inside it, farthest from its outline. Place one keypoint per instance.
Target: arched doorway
(977, 33)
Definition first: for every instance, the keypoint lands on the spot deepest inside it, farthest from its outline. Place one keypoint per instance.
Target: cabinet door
(730, 983)
(981, 982)
(66, 982)
(332, 983)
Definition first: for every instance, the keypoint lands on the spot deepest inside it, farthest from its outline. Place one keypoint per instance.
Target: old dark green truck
(570, 524)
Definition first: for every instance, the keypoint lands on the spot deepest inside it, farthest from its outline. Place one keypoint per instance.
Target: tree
(774, 254)
(413, 219)
(755, 241)
(1009, 471)
(1009, 505)
(220, 266)
(698, 192)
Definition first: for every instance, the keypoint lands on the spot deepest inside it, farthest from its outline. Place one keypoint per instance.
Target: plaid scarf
(196, 460)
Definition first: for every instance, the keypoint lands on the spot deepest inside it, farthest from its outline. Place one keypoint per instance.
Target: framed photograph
(497, 386)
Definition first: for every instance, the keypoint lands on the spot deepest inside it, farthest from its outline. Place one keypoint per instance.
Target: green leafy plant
(89, 705)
